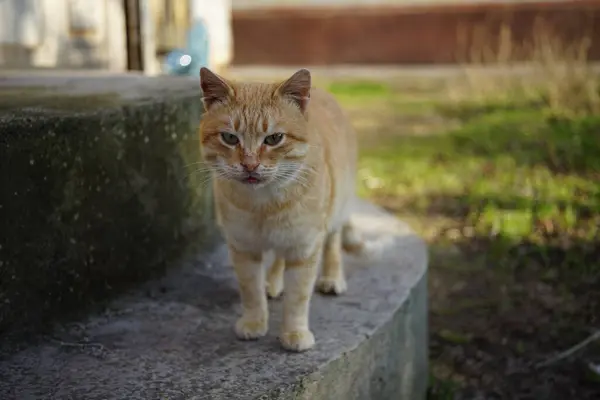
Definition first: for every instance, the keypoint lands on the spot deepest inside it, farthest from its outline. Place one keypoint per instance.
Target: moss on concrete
(93, 197)
(13, 99)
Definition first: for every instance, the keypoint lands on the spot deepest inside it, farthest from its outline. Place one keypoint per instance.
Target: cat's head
(255, 133)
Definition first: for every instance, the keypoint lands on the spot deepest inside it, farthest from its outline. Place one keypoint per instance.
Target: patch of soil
(490, 327)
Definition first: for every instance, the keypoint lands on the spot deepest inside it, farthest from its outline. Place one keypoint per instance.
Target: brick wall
(403, 35)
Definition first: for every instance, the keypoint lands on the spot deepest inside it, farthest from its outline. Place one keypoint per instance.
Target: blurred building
(115, 35)
(326, 32)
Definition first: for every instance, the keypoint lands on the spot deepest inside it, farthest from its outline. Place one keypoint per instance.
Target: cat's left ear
(297, 88)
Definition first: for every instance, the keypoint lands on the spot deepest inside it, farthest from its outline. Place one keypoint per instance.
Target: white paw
(299, 340)
(251, 328)
(328, 285)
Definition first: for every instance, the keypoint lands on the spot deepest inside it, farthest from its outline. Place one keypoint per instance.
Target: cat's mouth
(252, 179)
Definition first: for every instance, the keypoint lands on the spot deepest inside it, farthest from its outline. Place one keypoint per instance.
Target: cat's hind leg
(275, 278)
(332, 280)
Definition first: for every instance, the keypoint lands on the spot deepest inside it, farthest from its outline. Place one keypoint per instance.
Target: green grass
(383, 97)
(507, 193)
(513, 174)
(360, 89)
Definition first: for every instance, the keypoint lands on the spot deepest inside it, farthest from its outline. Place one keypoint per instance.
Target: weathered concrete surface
(97, 187)
(173, 338)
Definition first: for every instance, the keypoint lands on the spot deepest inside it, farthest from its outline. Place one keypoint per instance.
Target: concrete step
(173, 338)
(93, 199)
(94, 194)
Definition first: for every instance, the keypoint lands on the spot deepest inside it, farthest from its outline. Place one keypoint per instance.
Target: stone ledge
(173, 338)
(96, 187)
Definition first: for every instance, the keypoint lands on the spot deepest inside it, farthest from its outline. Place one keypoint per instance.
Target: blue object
(189, 60)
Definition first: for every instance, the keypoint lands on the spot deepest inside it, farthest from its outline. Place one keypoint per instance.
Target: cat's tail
(356, 245)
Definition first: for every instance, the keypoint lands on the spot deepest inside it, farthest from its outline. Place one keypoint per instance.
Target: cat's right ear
(214, 88)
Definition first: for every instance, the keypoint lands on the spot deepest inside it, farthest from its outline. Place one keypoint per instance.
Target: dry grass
(557, 75)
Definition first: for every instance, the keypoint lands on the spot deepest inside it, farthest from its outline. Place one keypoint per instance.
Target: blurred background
(479, 124)
(114, 35)
(122, 35)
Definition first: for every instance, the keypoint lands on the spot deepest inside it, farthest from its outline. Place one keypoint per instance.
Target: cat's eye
(274, 139)
(230, 138)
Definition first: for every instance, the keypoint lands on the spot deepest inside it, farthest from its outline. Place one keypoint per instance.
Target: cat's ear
(214, 88)
(297, 88)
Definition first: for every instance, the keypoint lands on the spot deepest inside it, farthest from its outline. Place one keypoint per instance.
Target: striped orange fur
(283, 157)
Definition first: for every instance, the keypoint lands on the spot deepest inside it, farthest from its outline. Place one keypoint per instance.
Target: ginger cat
(283, 158)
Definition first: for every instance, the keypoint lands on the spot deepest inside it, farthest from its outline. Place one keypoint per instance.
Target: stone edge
(317, 384)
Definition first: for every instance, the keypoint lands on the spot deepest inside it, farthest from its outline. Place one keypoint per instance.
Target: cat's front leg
(300, 276)
(251, 280)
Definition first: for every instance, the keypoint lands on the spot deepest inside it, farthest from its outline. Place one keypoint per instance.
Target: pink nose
(250, 166)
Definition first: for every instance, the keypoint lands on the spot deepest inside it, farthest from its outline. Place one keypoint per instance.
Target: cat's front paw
(299, 340)
(335, 286)
(251, 328)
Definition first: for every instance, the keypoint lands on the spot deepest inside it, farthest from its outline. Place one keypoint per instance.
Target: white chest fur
(292, 231)
(289, 220)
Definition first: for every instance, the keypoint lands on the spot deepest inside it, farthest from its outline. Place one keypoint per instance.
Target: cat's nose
(250, 166)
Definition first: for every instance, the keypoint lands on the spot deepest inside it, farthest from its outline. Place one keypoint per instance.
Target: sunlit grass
(498, 173)
(501, 175)
(508, 182)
